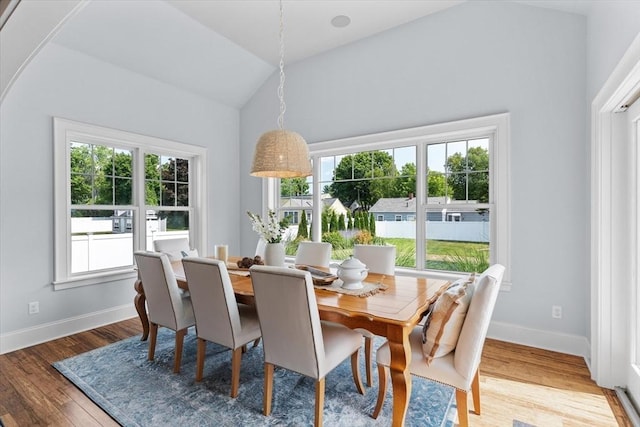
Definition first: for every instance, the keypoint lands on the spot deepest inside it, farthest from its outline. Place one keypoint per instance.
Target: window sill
(94, 279)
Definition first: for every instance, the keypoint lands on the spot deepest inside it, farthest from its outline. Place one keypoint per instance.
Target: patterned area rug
(137, 392)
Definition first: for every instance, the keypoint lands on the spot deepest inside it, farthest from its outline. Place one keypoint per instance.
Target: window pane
(166, 225)
(123, 163)
(81, 189)
(152, 166)
(81, 158)
(123, 191)
(182, 170)
(183, 194)
(101, 239)
(152, 193)
(457, 239)
(167, 168)
(168, 193)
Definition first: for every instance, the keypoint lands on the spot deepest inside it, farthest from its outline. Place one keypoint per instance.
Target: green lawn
(441, 255)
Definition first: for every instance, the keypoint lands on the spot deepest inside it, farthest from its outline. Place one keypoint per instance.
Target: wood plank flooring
(533, 386)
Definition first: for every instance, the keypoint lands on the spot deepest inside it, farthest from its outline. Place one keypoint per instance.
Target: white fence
(461, 231)
(469, 231)
(100, 251)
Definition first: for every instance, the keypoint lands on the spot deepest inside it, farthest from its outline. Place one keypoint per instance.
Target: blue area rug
(137, 392)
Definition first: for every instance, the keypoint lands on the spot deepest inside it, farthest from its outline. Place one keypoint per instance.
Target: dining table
(391, 313)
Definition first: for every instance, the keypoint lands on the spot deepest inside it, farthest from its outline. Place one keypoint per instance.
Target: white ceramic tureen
(352, 272)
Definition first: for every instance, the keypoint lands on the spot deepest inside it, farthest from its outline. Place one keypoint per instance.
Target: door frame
(614, 255)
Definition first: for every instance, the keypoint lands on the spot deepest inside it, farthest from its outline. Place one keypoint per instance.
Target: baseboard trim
(554, 341)
(23, 338)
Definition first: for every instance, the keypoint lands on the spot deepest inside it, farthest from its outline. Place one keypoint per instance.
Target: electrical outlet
(556, 312)
(34, 307)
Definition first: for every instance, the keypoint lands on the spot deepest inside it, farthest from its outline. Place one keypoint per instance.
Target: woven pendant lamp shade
(281, 154)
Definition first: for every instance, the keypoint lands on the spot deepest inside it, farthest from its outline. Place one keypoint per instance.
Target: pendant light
(281, 153)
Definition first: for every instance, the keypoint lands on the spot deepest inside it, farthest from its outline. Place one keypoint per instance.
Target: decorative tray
(319, 277)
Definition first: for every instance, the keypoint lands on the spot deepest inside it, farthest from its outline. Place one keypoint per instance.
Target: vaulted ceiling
(225, 50)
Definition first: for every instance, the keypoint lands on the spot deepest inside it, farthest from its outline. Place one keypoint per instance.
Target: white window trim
(497, 125)
(64, 130)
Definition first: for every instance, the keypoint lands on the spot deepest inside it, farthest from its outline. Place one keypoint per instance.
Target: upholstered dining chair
(174, 248)
(219, 318)
(166, 306)
(317, 254)
(308, 346)
(382, 260)
(459, 368)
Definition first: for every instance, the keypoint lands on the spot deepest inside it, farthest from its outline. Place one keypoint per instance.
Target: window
(116, 193)
(448, 183)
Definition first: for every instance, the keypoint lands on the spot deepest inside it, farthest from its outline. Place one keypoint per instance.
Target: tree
(293, 187)
(341, 222)
(303, 231)
(474, 168)
(355, 177)
(436, 184)
(372, 225)
(406, 182)
(334, 221)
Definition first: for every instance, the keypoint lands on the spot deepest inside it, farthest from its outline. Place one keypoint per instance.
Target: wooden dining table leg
(139, 301)
(400, 377)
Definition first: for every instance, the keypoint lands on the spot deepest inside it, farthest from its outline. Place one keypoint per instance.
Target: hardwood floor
(533, 386)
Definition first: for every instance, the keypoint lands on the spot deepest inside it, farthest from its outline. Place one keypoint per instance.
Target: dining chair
(308, 346)
(382, 260)
(219, 318)
(317, 254)
(166, 306)
(174, 248)
(460, 367)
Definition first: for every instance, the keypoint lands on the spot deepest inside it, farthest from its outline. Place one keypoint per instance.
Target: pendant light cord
(283, 106)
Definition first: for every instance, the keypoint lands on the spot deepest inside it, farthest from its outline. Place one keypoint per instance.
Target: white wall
(611, 27)
(60, 82)
(471, 60)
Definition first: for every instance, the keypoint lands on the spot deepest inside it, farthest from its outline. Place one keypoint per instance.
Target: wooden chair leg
(356, 372)
(202, 349)
(382, 389)
(236, 359)
(368, 349)
(463, 409)
(475, 392)
(153, 337)
(268, 387)
(244, 348)
(319, 402)
(256, 342)
(178, 356)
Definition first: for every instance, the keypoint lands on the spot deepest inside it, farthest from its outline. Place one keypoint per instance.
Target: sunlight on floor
(506, 400)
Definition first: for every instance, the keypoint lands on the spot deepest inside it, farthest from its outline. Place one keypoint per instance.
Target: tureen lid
(352, 262)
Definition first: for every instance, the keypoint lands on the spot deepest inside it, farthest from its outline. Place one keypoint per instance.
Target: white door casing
(633, 365)
(612, 201)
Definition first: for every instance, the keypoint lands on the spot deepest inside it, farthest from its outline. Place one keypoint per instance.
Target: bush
(335, 238)
(363, 237)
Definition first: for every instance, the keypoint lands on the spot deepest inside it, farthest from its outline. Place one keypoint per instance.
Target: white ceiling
(254, 24)
(226, 49)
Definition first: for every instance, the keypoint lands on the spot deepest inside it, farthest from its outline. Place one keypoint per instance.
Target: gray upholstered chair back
(166, 305)
(173, 247)
(213, 299)
(289, 319)
(313, 253)
(476, 323)
(378, 259)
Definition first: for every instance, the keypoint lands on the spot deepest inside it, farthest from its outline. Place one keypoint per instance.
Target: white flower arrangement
(272, 230)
